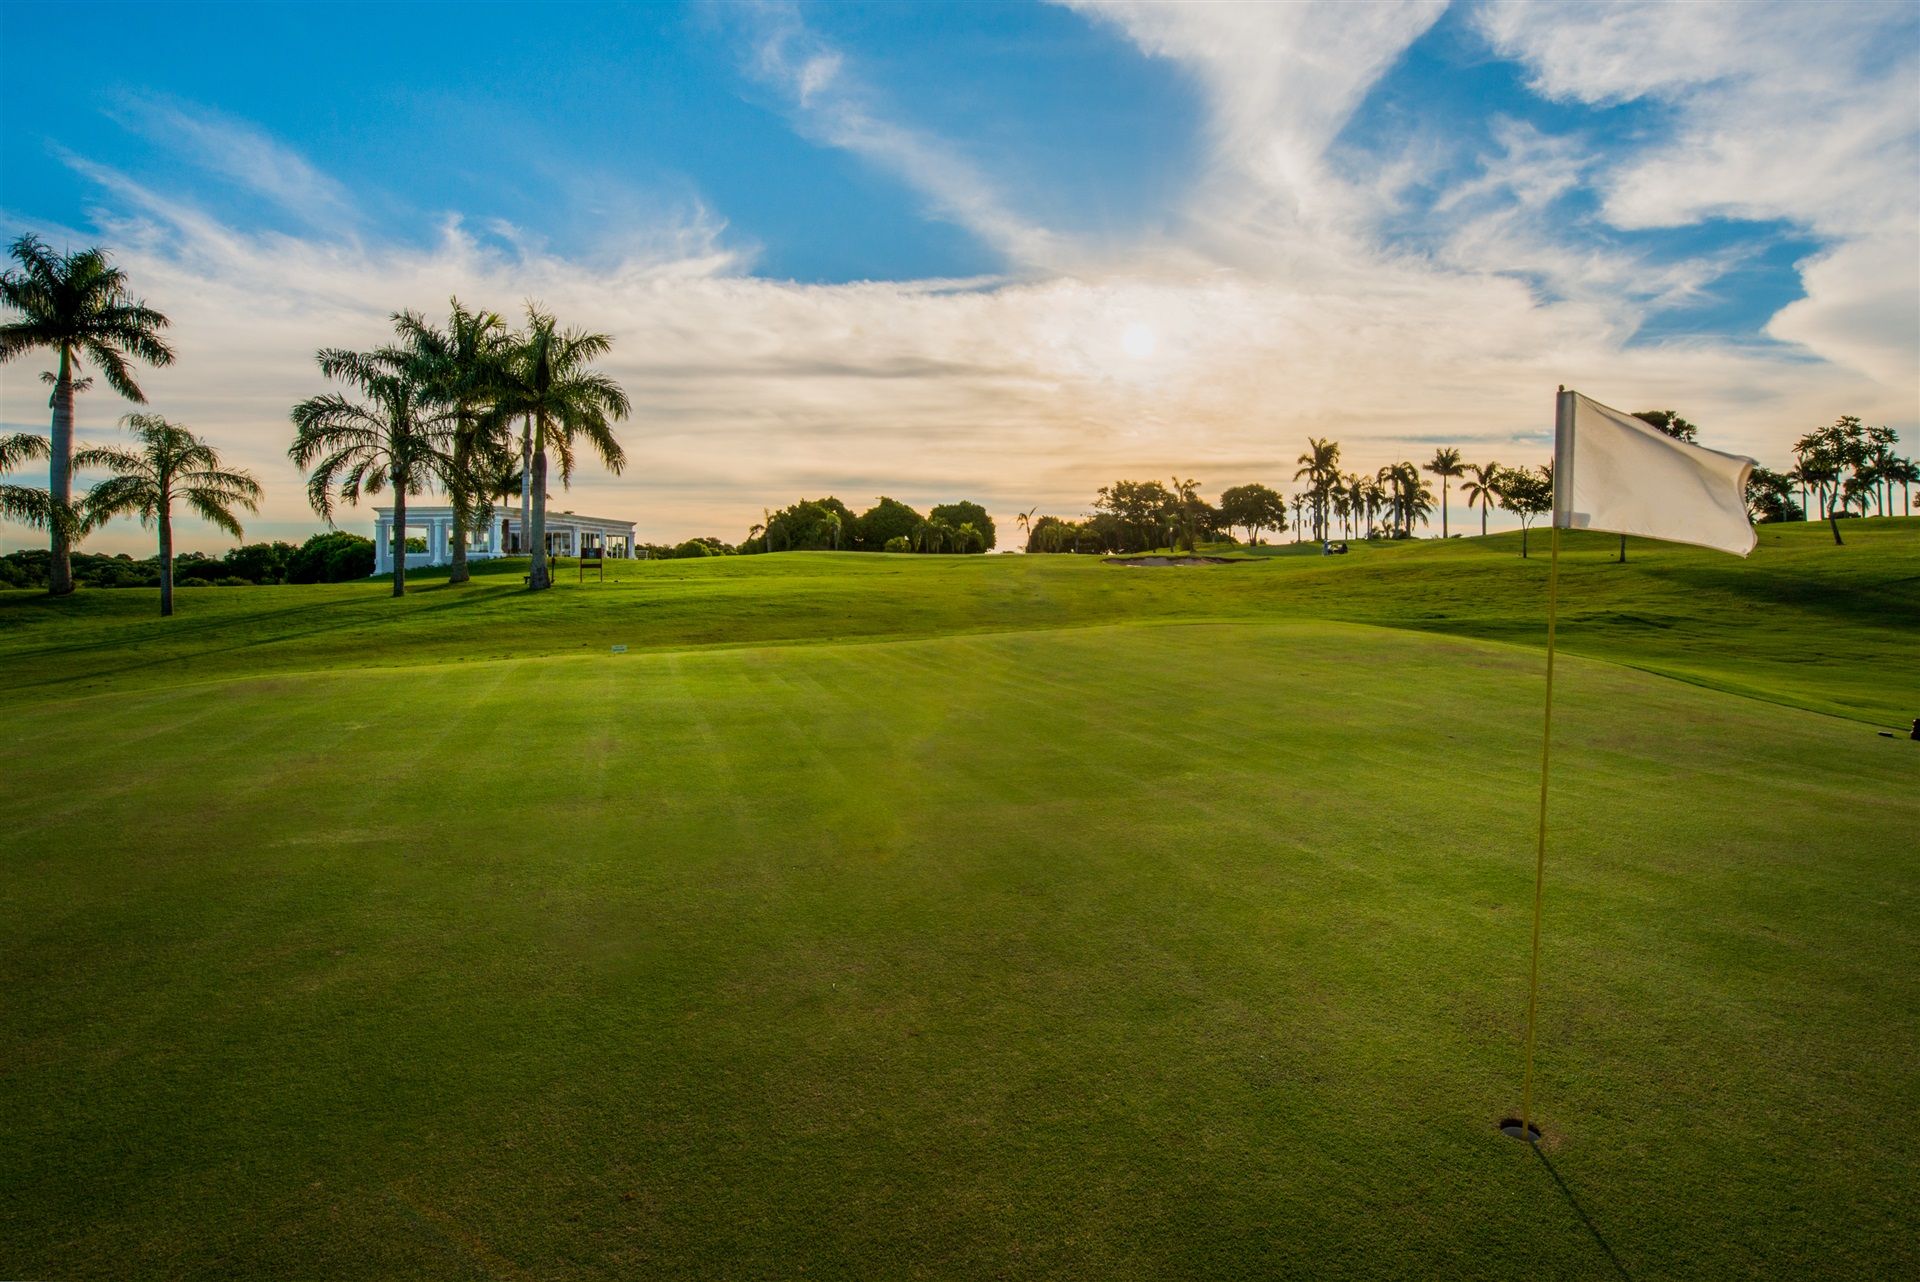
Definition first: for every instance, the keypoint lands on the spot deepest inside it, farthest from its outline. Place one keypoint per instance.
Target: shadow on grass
(320, 618)
(1581, 1211)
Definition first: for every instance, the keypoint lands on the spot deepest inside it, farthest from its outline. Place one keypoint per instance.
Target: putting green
(1188, 949)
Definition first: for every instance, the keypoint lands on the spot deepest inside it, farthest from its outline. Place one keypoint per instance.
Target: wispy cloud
(830, 104)
(243, 155)
(1278, 307)
(1790, 111)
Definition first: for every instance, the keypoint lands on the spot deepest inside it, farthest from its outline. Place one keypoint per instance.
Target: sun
(1139, 341)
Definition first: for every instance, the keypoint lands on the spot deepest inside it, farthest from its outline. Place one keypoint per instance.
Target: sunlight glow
(1139, 341)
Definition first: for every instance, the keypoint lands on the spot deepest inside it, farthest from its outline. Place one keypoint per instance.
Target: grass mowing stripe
(1163, 951)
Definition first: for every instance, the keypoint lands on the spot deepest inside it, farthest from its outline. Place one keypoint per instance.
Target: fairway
(969, 917)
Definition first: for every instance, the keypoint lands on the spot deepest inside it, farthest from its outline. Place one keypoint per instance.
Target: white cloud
(832, 106)
(243, 155)
(1801, 112)
(1274, 309)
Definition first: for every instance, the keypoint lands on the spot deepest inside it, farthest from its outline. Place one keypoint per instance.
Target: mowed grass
(881, 917)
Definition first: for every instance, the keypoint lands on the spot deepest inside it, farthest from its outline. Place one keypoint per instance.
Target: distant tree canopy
(1526, 492)
(1253, 508)
(1670, 423)
(885, 521)
(809, 525)
(966, 513)
(829, 525)
(1770, 497)
(1142, 513)
(333, 557)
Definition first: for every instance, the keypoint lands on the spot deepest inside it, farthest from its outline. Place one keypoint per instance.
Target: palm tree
(1445, 464)
(832, 523)
(26, 504)
(75, 305)
(1187, 495)
(1319, 467)
(1373, 497)
(464, 366)
(1025, 521)
(400, 438)
(170, 463)
(549, 385)
(1903, 473)
(1482, 492)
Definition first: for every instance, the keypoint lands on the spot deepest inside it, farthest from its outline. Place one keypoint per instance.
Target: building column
(383, 547)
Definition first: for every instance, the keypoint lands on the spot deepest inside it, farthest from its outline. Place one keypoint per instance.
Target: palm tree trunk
(526, 484)
(1483, 520)
(1623, 549)
(60, 482)
(462, 462)
(538, 574)
(166, 556)
(399, 534)
(1443, 506)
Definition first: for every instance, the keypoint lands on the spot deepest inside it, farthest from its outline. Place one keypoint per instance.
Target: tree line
(435, 407)
(1846, 467)
(888, 526)
(475, 409)
(332, 556)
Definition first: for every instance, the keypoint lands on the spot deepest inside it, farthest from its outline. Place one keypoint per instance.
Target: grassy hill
(1024, 917)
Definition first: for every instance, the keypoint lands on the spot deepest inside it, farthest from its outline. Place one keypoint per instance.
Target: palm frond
(22, 447)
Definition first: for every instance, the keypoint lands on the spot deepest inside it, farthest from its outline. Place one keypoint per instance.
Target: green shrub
(333, 557)
(898, 543)
(195, 582)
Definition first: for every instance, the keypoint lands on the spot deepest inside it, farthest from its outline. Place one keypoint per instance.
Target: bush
(195, 582)
(966, 512)
(260, 562)
(232, 581)
(692, 547)
(333, 557)
(885, 521)
(898, 543)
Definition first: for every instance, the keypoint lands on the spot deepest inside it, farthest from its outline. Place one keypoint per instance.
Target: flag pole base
(1512, 1129)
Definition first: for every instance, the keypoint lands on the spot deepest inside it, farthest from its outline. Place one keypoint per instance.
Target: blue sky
(915, 246)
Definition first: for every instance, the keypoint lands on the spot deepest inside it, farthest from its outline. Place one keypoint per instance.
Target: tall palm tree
(75, 305)
(464, 366)
(1903, 473)
(1319, 467)
(1482, 492)
(1446, 465)
(171, 463)
(1187, 495)
(549, 385)
(26, 504)
(399, 437)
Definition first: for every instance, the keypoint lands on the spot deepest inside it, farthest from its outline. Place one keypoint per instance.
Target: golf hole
(1511, 1127)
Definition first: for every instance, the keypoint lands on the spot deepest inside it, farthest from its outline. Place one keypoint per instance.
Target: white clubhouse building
(568, 534)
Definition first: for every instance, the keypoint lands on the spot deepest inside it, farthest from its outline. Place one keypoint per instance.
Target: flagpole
(1561, 426)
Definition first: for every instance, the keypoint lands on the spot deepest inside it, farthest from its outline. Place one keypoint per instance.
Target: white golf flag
(1612, 471)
